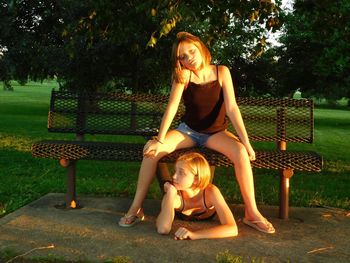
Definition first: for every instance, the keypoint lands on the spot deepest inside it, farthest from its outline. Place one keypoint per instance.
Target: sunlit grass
(18, 143)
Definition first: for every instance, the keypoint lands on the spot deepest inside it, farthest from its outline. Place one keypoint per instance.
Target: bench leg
(163, 175)
(285, 175)
(71, 198)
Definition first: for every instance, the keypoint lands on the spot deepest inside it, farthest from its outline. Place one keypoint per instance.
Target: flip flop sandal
(254, 224)
(131, 220)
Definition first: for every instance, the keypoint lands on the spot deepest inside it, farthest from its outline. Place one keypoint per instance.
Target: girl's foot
(261, 225)
(130, 220)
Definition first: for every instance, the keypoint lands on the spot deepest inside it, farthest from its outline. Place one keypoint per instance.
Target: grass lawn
(23, 117)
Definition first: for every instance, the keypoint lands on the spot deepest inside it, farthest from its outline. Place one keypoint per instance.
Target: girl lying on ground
(192, 197)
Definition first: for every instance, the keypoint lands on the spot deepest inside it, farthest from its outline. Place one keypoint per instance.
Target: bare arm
(152, 147)
(232, 110)
(166, 216)
(172, 107)
(228, 227)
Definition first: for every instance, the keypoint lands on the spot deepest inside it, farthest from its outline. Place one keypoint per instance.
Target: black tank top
(205, 108)
(206, 213)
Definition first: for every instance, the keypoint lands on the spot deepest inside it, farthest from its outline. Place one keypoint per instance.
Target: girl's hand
(183, 233)
(151, 148)
(168, 187)
(251, 152)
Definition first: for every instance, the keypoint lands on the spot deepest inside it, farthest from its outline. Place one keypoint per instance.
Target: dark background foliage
(125, 45)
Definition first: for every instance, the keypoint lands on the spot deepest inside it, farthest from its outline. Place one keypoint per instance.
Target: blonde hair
(177, 68)
(199, 166)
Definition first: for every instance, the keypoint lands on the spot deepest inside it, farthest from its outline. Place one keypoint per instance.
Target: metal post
(284, 188)
(284, 174)
(71, 199)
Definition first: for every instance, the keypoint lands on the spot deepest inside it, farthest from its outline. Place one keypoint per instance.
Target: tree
(115, 44)
(315, 55)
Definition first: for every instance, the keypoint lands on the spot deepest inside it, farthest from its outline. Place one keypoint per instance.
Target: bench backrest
(266, 119)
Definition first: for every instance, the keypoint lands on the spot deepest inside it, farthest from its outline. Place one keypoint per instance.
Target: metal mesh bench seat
(84, 150)
(276, 120)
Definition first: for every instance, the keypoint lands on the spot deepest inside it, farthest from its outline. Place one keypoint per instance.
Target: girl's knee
(155, 158)
(239, 154)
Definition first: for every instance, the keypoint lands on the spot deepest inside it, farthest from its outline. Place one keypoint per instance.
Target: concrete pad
(92, 233)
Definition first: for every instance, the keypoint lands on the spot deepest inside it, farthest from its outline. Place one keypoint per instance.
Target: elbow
(233, 231)
(163, 230)
(231, 109)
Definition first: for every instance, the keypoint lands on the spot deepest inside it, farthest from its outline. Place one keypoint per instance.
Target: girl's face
(183, 178)
(189, 56)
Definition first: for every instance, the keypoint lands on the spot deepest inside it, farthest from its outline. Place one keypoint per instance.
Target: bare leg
(174, 140)
(229, 145)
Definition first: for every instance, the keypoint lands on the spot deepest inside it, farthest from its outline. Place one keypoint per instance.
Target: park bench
(274, 120)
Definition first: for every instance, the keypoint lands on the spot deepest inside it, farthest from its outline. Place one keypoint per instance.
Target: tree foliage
(114, 44)
(315, 56)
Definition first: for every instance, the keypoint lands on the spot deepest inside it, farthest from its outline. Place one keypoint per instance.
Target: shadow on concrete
(92, 234)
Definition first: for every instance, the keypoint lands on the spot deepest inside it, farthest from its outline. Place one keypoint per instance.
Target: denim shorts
(199, 138)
